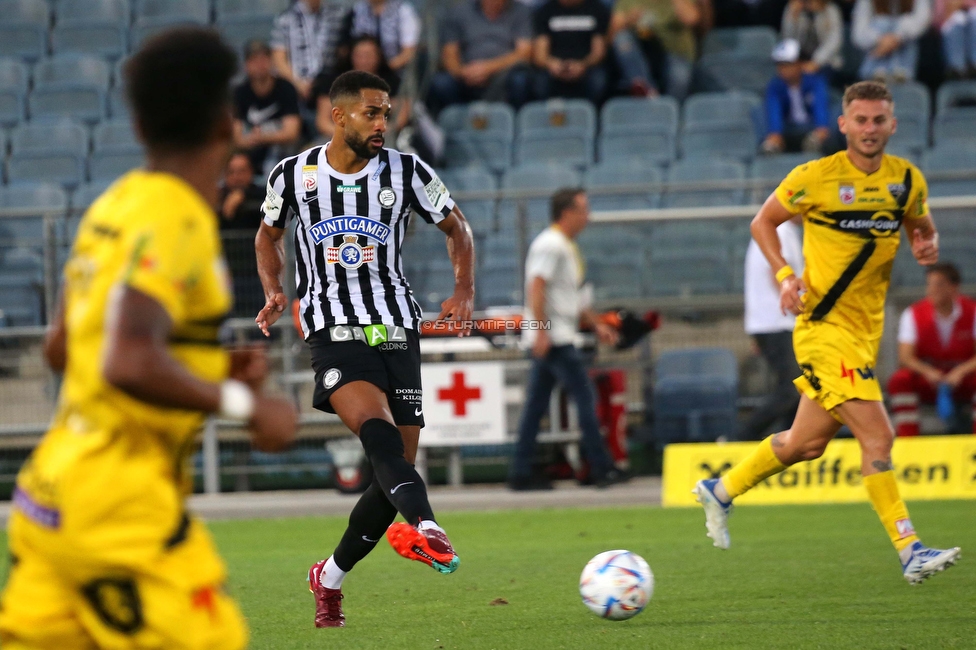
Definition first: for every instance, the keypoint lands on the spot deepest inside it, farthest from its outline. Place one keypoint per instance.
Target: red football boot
(328, 602)
(429, 546)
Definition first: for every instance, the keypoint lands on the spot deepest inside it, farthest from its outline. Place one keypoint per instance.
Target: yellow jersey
(107, 454)
(852, 229)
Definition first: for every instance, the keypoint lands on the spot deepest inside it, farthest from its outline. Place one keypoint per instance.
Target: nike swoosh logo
(400, 486)
(308, 199)
(371, 541)
(258, 116)
(418, 411)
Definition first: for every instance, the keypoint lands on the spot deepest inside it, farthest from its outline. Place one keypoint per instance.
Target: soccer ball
(616, 585)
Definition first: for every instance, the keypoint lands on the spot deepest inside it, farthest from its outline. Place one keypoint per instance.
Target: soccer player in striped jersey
(352, 199)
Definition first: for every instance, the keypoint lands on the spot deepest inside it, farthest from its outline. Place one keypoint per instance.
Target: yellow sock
(760, 464)
(883, 492)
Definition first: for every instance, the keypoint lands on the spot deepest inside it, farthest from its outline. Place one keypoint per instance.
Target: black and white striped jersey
(349, 233)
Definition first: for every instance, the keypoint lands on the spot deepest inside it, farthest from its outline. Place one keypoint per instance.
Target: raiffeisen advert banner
(927, 467)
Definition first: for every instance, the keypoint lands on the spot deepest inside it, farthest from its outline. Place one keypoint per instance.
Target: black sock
(368, 522)
(401, 483)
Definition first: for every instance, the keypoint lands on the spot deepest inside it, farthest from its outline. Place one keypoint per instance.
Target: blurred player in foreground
(104, 553)
(853, 204)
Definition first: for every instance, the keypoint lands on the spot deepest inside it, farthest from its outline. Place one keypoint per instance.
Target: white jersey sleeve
(278, 200)
(430, 198)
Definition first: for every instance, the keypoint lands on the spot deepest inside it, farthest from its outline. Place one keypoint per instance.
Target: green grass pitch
(795, 577)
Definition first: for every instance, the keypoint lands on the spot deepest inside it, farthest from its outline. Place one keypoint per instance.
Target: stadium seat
(234, 8)
(955, 94)
(64, 136)
(480, 212)
(478, 133)
(912, 154)
(907, 272)
(65, 169)
(695, 394)
(69, 101)
(769, 171)
(74, 69)
(93, 12)
(150, 27)
(23, 28)
(115, 136)
(105, 39)
(498, 280)
(151, 11)
(639, 128)
(719, 106)
(239, 30)
(14, 75)
(118, 108)
(954, 125)
(560, 131)
(46, 198)
(108, 166)
(946, 162)
(616, 174)
(614, 257)
(735, 140)
(11, 108)
(22, 261)
(542, 180)
(739, 243)
(86, 194)
(737, 58)
(704, 170)
(687, 258)
(740, 42)
(20, 301)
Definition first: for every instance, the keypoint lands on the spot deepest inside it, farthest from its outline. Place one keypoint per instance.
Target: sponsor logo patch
(331, 378)
(349, 189)
(847, 194)
(796, 196)
(372, 335)
(350, 225)
(437, 193)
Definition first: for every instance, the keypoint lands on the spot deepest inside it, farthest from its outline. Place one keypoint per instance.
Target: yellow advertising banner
(926, 467)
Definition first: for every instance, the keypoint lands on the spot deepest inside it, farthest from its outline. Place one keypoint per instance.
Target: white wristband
(236, 401)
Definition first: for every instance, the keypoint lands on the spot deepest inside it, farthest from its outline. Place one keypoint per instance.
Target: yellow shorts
(53, 601)
(837, 365)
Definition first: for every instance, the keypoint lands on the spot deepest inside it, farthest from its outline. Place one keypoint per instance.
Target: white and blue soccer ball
(616, 585)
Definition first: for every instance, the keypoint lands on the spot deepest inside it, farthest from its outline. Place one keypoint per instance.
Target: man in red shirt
(936, 345)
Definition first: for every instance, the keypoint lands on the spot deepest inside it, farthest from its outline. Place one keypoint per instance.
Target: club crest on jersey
(350, 254)
(847, 194)
(350, 225)
(310, 177)
(386, 197)
(897, 190)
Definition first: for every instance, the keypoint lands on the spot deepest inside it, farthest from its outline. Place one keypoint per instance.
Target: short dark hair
(353, 82)
(178, 85)
(948, 271)
(870, 90)
(256, 46)
(563, 200)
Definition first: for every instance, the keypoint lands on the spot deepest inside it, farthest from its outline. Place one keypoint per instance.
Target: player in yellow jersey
(104, 553)
(853, 205)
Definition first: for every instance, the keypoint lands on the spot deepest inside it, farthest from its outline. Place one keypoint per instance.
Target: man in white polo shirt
(772, 330)
(554, 271)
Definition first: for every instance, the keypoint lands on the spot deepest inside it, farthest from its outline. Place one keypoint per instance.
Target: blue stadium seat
(907, 272)
(720, 106)
(478, 133)
(639, 128)
(20, 301)
(498, 280)
(104, 39)
(955, 94)
(23, 28)
(536, 178)
(614, 261)
(74, 69)
(48, 167)
(68, 101)
(737, 58)
(558, 131)
(954, 125)
(474, 178)
(46, 198)
(86, 194)
(740, 42)
(229, 8)
(36, 137)
(721, 124)
(148, 28)
(704, 170)
(115, 136)
(11, 108)
(622, 173)
(118, 108)
(14, 75)
(695, 394)
(93, 12)
(147, 11)
(688, 258)
(22, 261)
(108, 166)
(948, 161)
(910, 153)
(239, 30)
(769, 172)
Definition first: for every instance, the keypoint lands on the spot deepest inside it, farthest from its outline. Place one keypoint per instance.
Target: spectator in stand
(956, 20)
(772, 331)
(267, 120)
(487, 48)
(569, 48)
(888, 32)
(553, 277)
(818, 26)
(393, 23)
(365, 55)
(937, 351)
(240, 202)
(305, 41)
(656, 43)
(744, 13)
(797, 105)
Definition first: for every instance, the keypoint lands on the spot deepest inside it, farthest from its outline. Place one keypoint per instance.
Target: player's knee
(381, 438)
(813, 450)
